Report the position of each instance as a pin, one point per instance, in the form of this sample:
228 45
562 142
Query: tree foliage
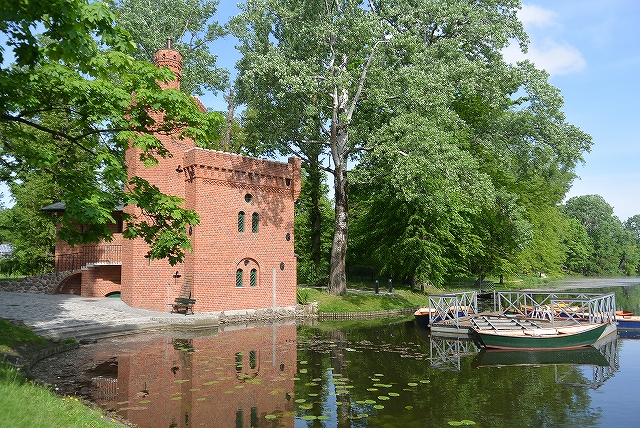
190 26
73 101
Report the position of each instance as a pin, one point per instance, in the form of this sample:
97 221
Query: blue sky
591 49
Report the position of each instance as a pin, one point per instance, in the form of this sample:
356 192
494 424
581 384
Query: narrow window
238 361
253 278
254 222
239 278
252 359
241 221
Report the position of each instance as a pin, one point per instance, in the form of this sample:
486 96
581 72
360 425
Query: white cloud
554 57
531 15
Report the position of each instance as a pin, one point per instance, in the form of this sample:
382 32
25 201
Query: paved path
60 316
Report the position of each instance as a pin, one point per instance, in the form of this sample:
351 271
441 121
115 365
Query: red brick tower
243 254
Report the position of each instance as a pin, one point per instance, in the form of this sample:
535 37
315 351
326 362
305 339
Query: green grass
24 403
367 302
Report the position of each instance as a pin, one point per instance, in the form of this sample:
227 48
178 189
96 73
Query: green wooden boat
540 338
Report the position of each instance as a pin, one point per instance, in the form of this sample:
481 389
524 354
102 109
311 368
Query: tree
188 23
332 74
605 231
59 99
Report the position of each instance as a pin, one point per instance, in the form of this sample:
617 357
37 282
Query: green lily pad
306 406
312 394
271 416
378 375
408 407
394 394
383 397
425 381
303 370
309 417
300 400
372 389
412 384
338 403
201 399
323 418
378 407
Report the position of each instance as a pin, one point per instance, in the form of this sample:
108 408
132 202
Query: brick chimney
173 60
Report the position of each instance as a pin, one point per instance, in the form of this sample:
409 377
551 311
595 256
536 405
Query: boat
586 355
509 333
423 316
627 321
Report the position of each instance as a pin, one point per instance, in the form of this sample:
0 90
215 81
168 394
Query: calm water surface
383 374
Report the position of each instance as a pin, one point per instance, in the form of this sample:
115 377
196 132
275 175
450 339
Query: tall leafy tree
334 73
605 231
190 26
67 54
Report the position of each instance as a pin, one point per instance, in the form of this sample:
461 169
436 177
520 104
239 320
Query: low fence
344 316
89 254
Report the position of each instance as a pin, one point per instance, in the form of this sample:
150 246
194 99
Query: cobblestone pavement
62 315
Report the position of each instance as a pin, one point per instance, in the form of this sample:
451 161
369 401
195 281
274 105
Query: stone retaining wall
40 284
268 315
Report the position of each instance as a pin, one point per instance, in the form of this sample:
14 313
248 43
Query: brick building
243 256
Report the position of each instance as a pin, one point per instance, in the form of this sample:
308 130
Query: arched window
253 278
241 221
254 222
239 278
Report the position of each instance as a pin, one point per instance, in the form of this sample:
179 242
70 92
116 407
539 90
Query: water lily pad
300 400
181 380
338 403
375 379
309 417
378 375
311 384
408 407
323 417
312 394
271 416
306 406
425 381
394 394
303 362
210 382
467 422
372 389
412 384
201 399
370 401
383 397
303 370
378 407
360 402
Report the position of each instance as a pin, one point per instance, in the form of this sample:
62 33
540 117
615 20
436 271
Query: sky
591 50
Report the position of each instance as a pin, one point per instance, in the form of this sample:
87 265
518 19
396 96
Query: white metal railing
558 307
453 306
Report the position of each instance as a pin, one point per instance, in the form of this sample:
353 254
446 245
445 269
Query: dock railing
453 306
560 308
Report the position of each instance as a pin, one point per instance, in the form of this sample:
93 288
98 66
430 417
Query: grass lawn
24 403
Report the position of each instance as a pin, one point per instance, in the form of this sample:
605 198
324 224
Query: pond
387 373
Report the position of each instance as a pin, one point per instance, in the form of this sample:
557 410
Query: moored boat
532 337
423 316
627 320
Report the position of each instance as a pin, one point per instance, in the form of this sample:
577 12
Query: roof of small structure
60 206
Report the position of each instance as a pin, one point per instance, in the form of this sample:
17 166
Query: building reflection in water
234 378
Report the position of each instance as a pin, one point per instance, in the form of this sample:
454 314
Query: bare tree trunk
337 270
226 140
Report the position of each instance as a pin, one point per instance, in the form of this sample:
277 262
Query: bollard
377 287
390 286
